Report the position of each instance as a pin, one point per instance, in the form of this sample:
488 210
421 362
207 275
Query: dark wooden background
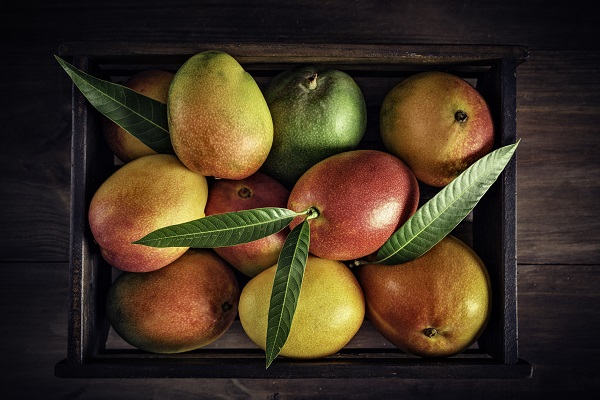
558 120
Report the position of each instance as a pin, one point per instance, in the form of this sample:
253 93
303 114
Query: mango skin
151 83
186 305
317 112
448 288
258 190
362 197
329 313
143 195
418 124
219 121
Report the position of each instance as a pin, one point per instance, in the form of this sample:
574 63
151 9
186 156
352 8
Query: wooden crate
95 351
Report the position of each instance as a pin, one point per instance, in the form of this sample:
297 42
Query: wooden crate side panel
494 230
89 283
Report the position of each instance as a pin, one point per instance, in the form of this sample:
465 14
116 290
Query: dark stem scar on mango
245 192
312 81
460 116
430 332
312 212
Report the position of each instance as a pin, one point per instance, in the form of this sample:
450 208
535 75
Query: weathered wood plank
557 326
34 107
552 24
558 175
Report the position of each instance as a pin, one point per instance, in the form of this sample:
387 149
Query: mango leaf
143 117
286 288
219 230
443 212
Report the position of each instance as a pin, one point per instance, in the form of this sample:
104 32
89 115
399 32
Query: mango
330 310
152 83
438 124
361 196
186 305
317 112
143 195
434 306
219 121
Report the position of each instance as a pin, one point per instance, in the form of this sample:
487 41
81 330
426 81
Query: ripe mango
152 83
330 310
186 305
143 195
219 121
362 197
258 190
436 305
438 124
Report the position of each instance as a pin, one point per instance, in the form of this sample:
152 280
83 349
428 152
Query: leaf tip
268 363
271 354
141 241
62 62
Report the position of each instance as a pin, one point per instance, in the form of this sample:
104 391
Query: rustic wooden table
558 187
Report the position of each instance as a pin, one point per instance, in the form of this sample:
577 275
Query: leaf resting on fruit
219 230
143 117
443 212
286 288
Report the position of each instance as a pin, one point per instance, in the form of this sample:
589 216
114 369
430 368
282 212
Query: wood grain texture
558 185
35 167
557 323
549 24
558 177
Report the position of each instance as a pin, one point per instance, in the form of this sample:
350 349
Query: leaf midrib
124 105
286 294
94 82
414 237
193 235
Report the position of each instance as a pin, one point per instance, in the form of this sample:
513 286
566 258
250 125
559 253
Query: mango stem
245 192
312 213
460 116
430 332
312 81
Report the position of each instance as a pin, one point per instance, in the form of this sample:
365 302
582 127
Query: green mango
317 112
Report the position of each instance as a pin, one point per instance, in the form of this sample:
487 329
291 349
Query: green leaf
219 230
443 212
286 288
143 117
